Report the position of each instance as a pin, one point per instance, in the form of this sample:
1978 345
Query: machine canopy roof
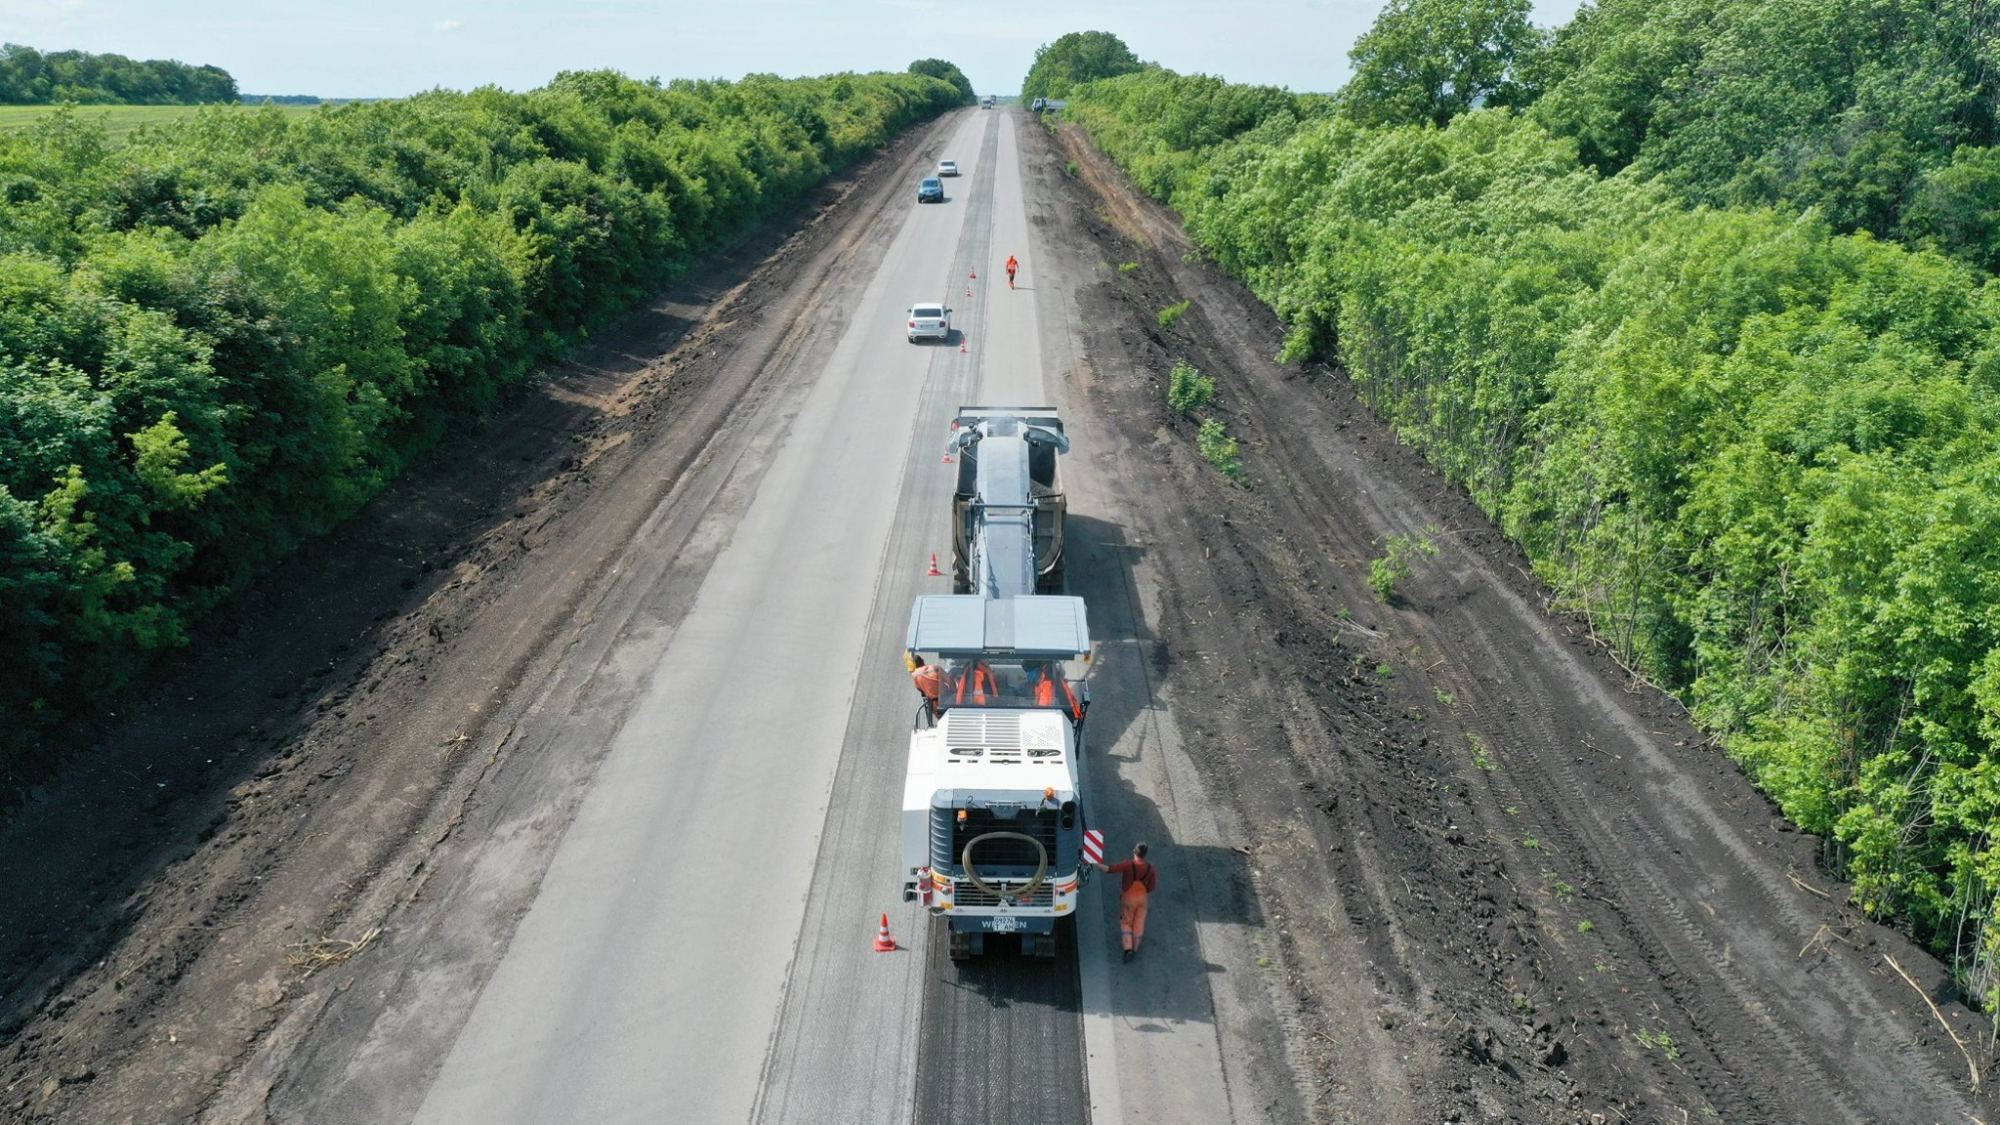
1042 626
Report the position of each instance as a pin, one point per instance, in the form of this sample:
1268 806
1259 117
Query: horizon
372 49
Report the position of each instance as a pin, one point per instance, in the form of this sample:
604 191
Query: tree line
1693 296
229 333
31 77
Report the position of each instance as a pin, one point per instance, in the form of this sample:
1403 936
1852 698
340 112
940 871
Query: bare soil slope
1566 906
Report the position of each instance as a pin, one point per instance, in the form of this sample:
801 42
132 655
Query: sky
389 48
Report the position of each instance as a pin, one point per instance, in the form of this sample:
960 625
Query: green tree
1814 103
1076 58
30 77
1431 60
1956 207
939 68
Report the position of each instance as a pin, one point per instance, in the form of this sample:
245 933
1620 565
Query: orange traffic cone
883 942
934 573
947 456
975 275
961 345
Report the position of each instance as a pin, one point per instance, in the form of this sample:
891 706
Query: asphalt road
700 944
648 975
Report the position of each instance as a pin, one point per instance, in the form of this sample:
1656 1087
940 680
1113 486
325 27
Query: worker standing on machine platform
1140 881
1012 265
925 676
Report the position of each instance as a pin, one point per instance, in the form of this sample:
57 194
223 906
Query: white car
930 322
947 168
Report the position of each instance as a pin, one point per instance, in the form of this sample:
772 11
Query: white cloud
447 25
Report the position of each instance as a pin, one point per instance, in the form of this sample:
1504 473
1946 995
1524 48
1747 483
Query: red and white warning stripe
1093 846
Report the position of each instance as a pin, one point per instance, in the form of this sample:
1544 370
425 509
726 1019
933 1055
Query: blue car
931 190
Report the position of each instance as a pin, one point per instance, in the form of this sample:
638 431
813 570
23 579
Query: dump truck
993 809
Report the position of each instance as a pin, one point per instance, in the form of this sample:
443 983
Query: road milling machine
993 812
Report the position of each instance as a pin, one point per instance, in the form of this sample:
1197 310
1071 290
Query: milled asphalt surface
847 1038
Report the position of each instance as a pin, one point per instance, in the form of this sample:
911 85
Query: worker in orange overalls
1012 265
1052 689
925 676
976 686
1140 880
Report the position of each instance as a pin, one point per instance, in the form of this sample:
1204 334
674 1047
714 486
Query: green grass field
118 119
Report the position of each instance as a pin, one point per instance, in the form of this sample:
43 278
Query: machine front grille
1009 859
968 894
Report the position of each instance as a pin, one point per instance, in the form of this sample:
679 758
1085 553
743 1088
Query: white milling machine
993 818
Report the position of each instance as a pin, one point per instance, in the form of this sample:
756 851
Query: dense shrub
234 330
1219 448
1188 390
1762 454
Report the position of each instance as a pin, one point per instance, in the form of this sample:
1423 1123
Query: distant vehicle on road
1049 104
931 190
947 168
987 102
930 322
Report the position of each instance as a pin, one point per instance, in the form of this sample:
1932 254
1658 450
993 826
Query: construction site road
561 784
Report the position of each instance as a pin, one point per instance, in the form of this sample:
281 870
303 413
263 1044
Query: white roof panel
1048 626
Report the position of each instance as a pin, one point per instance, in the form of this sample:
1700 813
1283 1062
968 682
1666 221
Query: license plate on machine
1003 924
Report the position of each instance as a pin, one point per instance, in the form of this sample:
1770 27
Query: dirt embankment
179 904
1488 845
